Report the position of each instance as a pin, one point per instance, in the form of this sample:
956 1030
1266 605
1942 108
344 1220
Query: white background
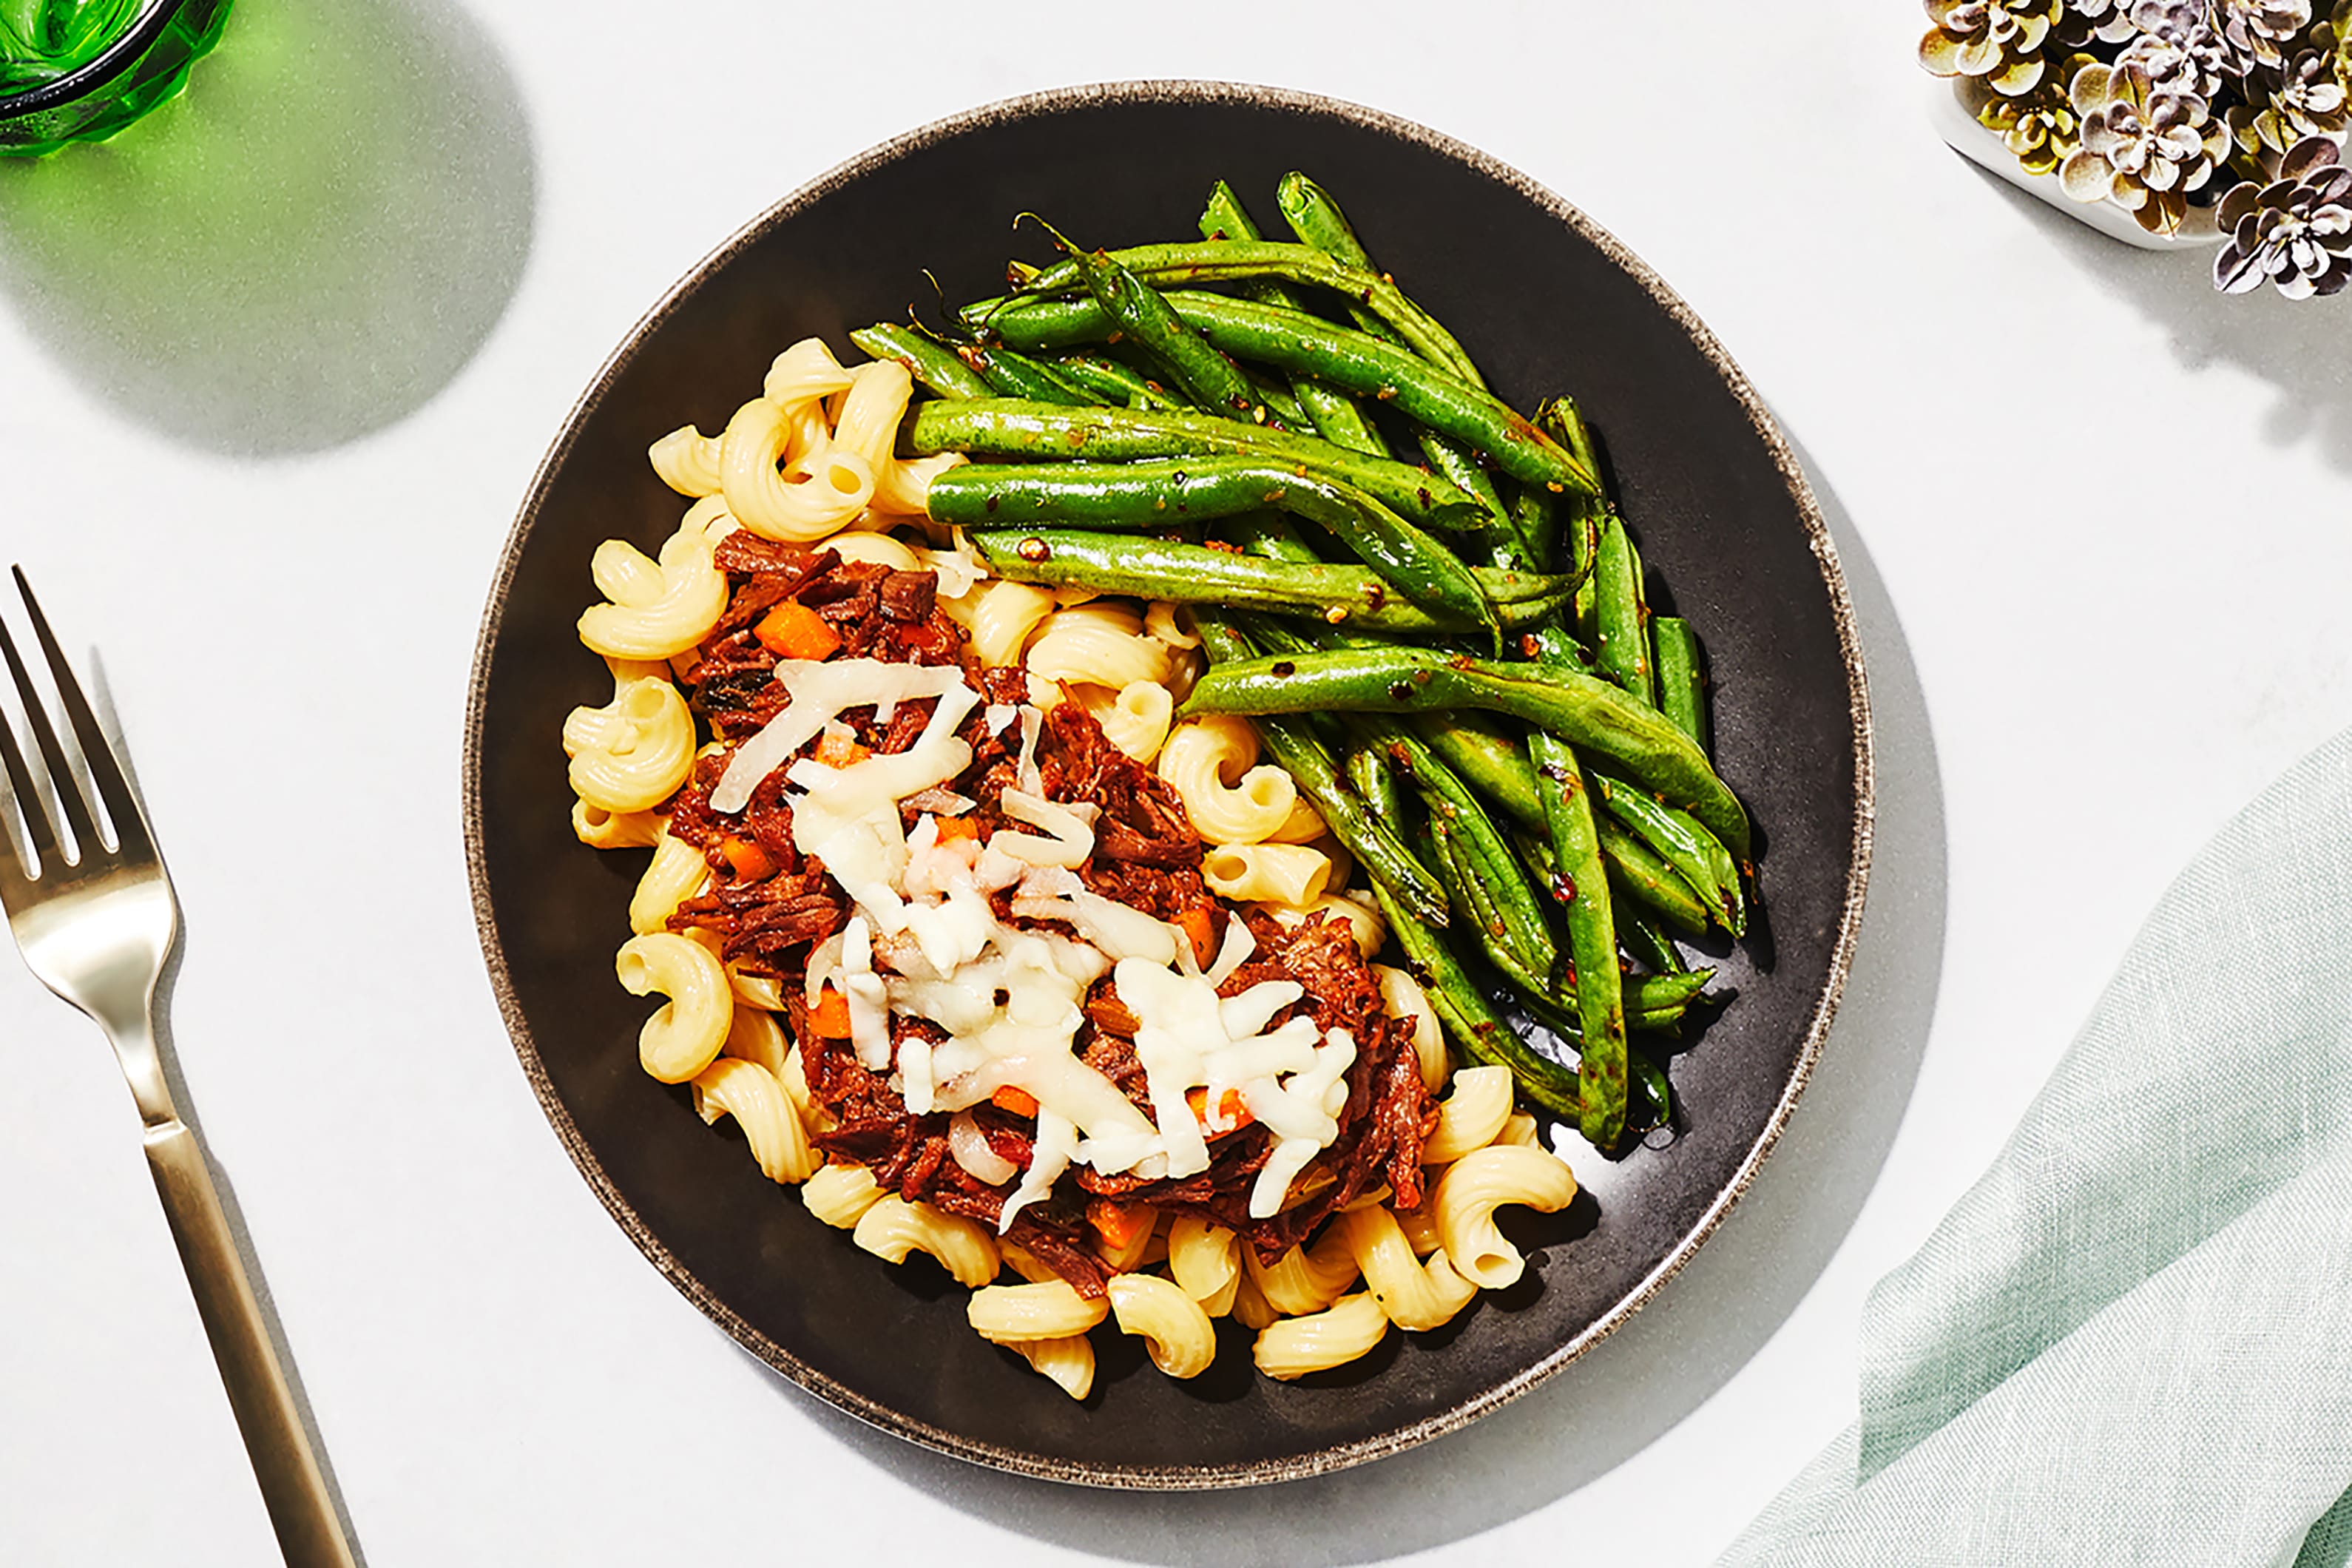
274 377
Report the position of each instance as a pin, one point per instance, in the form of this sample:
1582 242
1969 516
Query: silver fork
96 927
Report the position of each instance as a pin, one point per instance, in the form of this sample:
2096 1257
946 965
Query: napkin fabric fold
2131 1342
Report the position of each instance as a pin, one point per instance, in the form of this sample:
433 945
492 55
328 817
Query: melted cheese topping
925 942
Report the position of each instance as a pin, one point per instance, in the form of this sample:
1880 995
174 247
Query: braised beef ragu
769 905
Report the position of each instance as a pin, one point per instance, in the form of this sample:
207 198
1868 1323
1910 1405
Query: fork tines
105 772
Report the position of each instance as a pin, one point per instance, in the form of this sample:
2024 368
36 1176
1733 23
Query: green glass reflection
80 70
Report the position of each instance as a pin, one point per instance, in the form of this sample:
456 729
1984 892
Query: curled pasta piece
750 1094
1099 646
1068 1362
601 830
1044 1309
1365 924
1304 1279
1207 761
1322 1341
631 754
1305 824
1520 1129
1415 1297
1182 1340
840 1194
904 488
655 607
829 485
686 460
1471 1116
1420 1231
1001 615
1405 998
754 1035
1205 1259
1166 621
1252 1311
893 1227
686 1031
1135 718
803 374
762 991
677 872
877 548
1273 873
1476 1184
869 421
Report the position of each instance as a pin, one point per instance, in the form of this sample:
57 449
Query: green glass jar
80 70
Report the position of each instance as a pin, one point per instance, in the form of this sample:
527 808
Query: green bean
1535 521
1645 942
1480 1032
1140 313
1281 403
1191 574
1011 375
1500 883
1620 620
1272 535
1379 851
1375 781
1334 415
1008 428
1317 221
1146 494
1474 747
1582 886
1221 640
926 358
1682 696
1684 844
1586 711
1638 873
1240 257
1113 382
1657 1098
1308 345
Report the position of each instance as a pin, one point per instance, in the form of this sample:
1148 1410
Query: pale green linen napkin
2131 1342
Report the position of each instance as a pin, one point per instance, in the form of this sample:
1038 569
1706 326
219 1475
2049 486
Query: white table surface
274 386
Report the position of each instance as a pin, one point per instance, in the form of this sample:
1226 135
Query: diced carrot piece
1019 1102
957 827
793 630
1201 927
1234 1114
839 748
830 1016
1120 1224
749 857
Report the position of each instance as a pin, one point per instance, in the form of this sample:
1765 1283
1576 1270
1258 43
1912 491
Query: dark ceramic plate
1547 303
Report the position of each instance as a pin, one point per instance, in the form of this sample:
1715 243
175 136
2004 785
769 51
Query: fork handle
293 1485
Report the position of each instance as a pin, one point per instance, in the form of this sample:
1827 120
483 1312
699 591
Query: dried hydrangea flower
2142 148
2305 97
2177 46
1997 41
2258 32
2294 232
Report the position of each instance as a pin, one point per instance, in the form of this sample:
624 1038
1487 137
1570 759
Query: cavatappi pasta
810 461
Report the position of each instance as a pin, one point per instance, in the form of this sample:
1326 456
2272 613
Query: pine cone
1998 41
2039 128
2295 232
2259 32
2176 47
2303 98
2142 148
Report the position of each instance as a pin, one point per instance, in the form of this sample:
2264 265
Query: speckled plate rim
1336 1456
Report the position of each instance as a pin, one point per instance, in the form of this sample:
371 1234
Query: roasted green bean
1011 375
928 360
1581 710
1110 382
1620 619
1142 315
1684 844
1682 695
1639 873
1009 428
1583 889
